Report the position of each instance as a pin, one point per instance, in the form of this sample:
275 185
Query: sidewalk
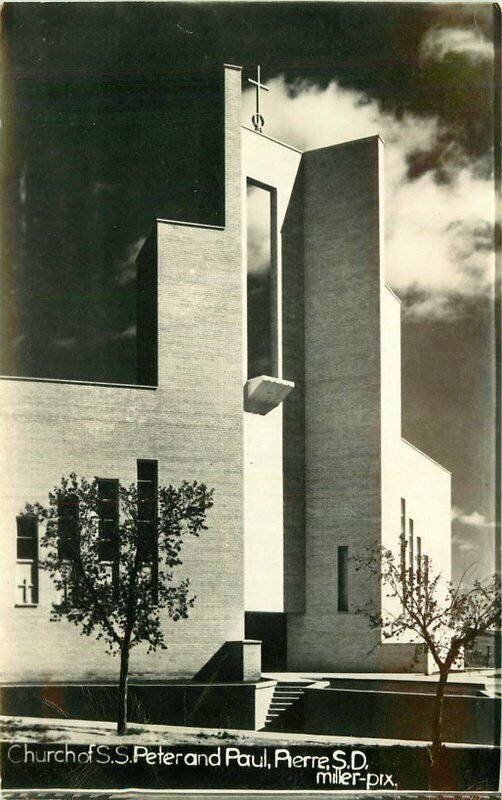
489 678
68 731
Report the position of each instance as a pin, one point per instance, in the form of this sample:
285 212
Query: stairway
285 697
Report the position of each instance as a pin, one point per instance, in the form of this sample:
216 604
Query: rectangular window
403 546
147 518
27 537
262 310
419 564
27 560
343 578
411 554
426 572
147 509
108 513
68 529
403 518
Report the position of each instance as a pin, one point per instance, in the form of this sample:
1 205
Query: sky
111 116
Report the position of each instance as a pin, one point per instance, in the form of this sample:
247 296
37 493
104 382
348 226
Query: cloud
64 342
19 341
22 184
438 226
112 336
258 230
439 43
439 242
474 520
128 333
98 188
126 266
466 546
307 116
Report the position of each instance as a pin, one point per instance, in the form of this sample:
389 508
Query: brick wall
192 423
342 398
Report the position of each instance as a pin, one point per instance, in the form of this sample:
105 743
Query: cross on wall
257 118
26 590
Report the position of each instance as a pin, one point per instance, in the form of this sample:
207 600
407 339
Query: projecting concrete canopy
263 393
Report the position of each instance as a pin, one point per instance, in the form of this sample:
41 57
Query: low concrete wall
404 657
198 705
401 686
263 698
234 661
391 715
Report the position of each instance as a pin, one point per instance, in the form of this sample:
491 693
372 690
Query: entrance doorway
271 629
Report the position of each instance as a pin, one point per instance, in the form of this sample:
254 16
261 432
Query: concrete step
292 685
295 683
289 689
284 697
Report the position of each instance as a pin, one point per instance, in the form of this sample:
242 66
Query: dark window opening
426 572
261 319
27 556
108 513
27 537
403 548
68 527
419 563
412 555
343 578
403 518
147 518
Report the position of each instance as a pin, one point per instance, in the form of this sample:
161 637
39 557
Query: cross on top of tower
257 118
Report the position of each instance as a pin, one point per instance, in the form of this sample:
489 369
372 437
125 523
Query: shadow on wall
227 706
393 715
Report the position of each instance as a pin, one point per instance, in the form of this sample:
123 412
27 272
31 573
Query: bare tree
446 617
113 561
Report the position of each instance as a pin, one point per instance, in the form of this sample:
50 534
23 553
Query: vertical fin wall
200 357
342 400
147 345
274 166
293 326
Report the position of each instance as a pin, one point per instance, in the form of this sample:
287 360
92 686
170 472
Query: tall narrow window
419 564
27 560
411 541
426 573
402 539
261 319
108 513
147 517
343 578
27 537
68 527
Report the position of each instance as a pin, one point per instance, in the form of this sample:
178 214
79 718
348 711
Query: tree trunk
436 750
124 673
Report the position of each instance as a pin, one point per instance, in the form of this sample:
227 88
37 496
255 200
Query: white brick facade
327 468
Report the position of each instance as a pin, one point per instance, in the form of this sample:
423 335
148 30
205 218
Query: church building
268 368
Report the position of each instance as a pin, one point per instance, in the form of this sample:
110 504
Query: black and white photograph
249 385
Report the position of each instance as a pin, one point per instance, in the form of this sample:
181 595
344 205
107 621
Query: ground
405 763
48 730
